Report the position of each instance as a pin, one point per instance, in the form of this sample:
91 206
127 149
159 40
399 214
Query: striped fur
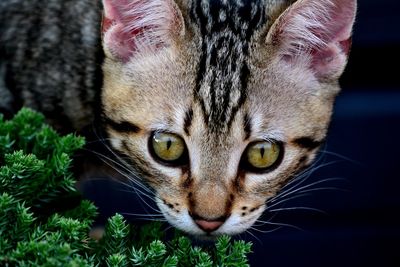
226 28
50 59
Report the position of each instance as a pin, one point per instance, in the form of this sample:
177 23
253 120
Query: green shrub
35 178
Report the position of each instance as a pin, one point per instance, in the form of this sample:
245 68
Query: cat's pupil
169 143
262 151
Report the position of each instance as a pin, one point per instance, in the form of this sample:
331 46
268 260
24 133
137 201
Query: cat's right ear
137 26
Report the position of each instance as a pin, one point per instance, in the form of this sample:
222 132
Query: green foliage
35 175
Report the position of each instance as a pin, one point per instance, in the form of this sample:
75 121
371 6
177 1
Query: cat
215 104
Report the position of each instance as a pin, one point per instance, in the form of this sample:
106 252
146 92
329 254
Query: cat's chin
212 236
201 235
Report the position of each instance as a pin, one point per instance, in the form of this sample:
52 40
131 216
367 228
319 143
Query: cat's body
50 59
215 104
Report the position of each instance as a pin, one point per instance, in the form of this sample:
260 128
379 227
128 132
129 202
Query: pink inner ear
131 25
106 23
119 43
345 45
318 28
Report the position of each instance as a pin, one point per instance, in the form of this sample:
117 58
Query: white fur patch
116 143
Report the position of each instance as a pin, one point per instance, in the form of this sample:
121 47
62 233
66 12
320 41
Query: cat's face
216 119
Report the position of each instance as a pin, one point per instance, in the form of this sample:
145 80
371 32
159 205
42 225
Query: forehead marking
247 126
187 122
226 28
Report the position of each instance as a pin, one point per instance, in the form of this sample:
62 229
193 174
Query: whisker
134 188
266 231
285 200
309 170
99 140
143 201
121 163
134 184
298 208
130 184
124 166
139 195
253 235
130 187
281 224
297 188
302 177
324 188
169 227
128 176
294 190
150 219
118 164
143 215
341 157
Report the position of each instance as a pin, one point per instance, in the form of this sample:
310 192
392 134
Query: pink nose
208 226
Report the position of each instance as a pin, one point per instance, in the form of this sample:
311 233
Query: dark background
359 225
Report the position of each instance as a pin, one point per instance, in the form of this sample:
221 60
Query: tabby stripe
122 127
188 121
244 76
240 21
247 126
201 20
307 142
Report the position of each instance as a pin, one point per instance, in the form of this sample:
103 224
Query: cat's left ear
315 34
130 27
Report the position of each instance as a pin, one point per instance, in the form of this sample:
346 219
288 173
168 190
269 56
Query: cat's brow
122 126
307 142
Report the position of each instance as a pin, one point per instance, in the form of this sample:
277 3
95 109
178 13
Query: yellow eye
167 147
262 155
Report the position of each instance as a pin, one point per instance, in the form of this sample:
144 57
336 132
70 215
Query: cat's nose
208 225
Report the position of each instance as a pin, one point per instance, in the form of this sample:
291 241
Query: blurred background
345 213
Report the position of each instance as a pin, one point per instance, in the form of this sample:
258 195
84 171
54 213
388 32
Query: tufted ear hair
134 26
315 33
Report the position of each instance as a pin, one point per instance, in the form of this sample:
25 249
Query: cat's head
217 104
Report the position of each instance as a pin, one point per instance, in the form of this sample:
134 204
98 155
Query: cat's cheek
172 174
180 220
237 223
253 181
